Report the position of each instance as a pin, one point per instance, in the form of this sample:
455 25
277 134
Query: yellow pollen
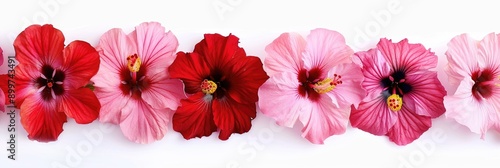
395 102
324 86
208 86
133 63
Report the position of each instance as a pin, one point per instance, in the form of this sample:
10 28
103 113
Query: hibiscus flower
134 90
222 83
474 71
312 80
50 80
403 93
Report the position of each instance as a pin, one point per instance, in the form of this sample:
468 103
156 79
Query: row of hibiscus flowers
139 82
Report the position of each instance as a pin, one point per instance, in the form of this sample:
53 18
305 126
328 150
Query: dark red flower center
483 84
311 86
395 87
217 84
50 82
133 77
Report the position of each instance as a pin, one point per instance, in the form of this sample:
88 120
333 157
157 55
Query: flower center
312 84
50 82
132 77
326 84
208 86
395 87
483 84
395 102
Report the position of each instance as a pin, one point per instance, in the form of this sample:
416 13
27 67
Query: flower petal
279 99
411 57
25 82
156 47
489 52
143 124
246 77
350 91
80 64
426 95
194 118
408 127
80 104
285 54
112 102
39 45
40 119
326 49
193 76
114 47
462 55
4 87
373 116
2 100
374 68
231 116
218 50
324 120
163 92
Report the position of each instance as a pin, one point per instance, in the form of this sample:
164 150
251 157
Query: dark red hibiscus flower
222 83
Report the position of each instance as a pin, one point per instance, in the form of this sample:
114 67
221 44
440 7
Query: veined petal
427 94
232 117
326 49
25 82
194 118
374 69
39 45
193 76
373 116
81 62
40 119
114 47
80 104
324 120
408 127
246 77
112 102
163 92
285 54
218 50
462 55
411 57
349 92
142 123
489 52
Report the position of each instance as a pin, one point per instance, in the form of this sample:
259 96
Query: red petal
219 50
191 68
373 117
80 104
232 116
80 64
246 77
409 126
194 117
38 45
41 120
25 82
4 86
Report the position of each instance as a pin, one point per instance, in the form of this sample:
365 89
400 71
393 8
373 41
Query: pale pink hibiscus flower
403 93
312 80
474 71
133 83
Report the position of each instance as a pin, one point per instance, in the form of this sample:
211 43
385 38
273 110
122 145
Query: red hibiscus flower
222 82
50 81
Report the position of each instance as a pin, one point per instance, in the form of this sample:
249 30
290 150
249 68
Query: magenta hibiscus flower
132 84
474 71
312 80
403 93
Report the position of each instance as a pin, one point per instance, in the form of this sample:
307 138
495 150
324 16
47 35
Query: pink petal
462 56
373 116
142 123
374 68
279 90
81 63
2 100
80 104
154 46
194 118
408 127
163 92
40 119
1 56
350 92
412 57
232 117
114 47
326 49
324 120
38 45
285 54
426 95
489 52
112 102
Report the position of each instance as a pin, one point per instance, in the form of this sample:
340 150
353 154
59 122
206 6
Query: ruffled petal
462 56
374 68
373 116
154 46
193 76
411 57
39 45
281 89
350 92
80 104
285 54
112 102
218 51
408 127
489 53
81 62
163 92
194 118
114 47
143 124
324 120
426 94
246 77
231 116
326 49
40 119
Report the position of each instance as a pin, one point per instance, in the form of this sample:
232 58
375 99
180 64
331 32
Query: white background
257 23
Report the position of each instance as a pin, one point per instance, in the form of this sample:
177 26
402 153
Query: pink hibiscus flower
312 80
403 94
474 71
133 84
